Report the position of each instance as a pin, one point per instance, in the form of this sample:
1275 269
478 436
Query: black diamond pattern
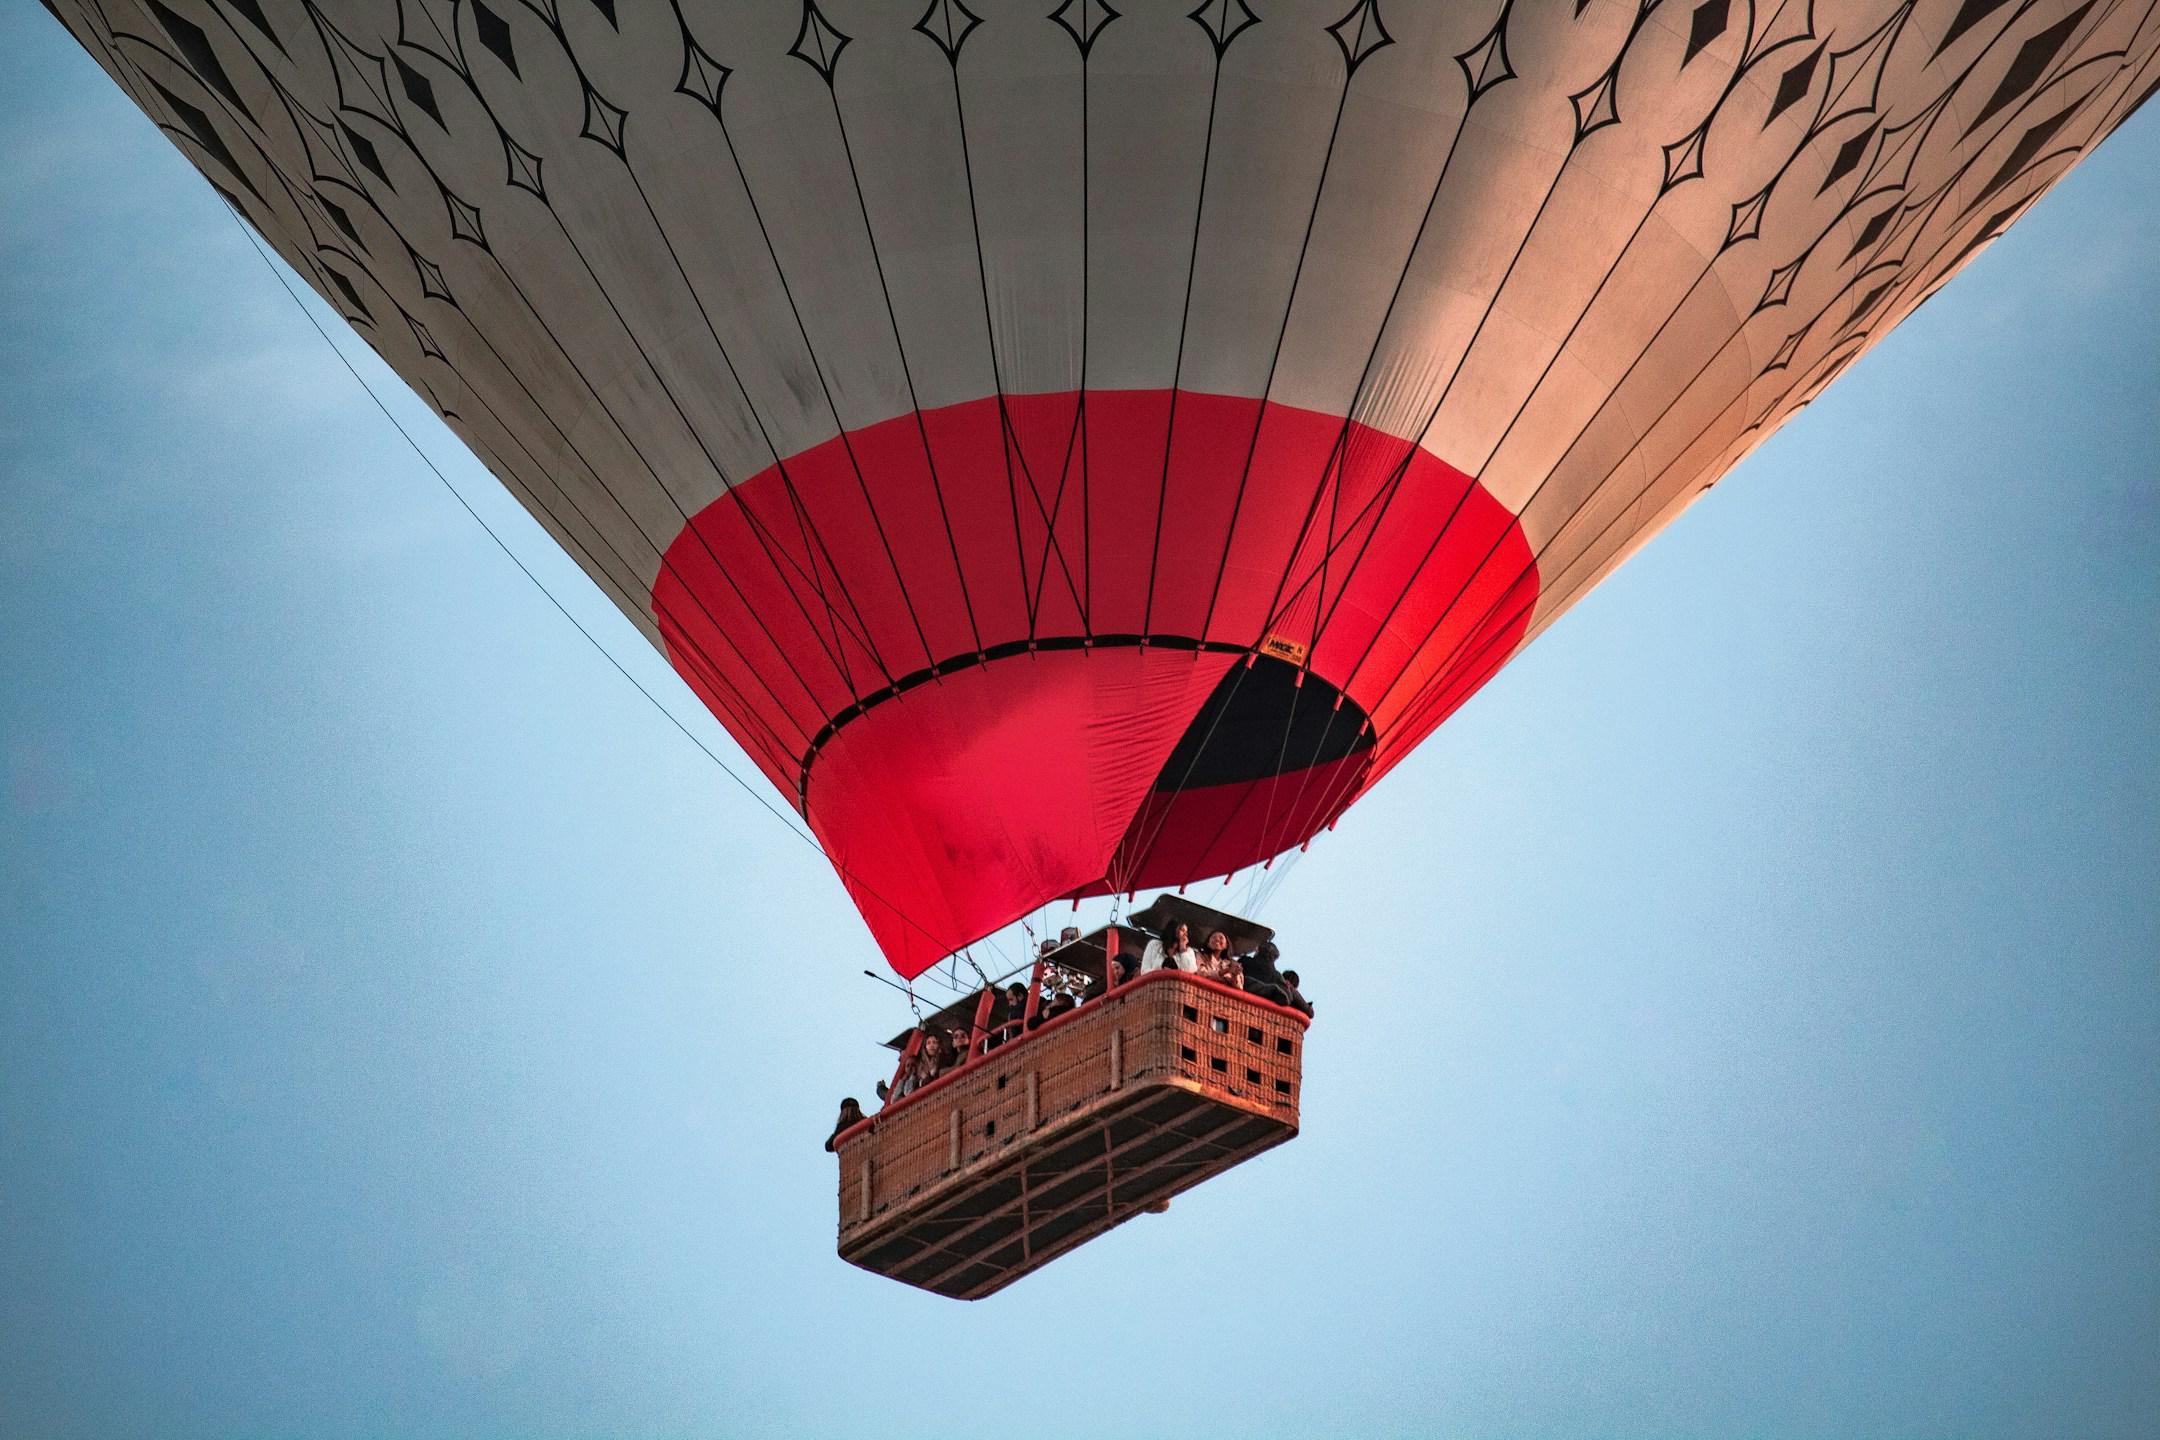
1971 13
194 47
464 219
1780 288
1709 21
363 150
1848 156
345 288
418 88
817 44
1360 33
251 11
1084 20
2029 145
524 166
702 76
1485 64
1872 231
423 339
1224 21
949 23
1597 107
2032 60
1747 218
604 122
494 32
1683 158
1793 85
432 283
339 218
1874 298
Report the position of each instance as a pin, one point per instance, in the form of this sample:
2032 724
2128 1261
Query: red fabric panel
1216 829
963 805
846 573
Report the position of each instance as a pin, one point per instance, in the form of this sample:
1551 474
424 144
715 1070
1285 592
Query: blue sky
1742 1019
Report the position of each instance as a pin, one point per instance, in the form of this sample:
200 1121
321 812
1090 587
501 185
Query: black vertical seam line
501 545
814 541
1049 516
1057 507
1282 333
286 101
907 373
1372 354
699 440
1008 437
997 378
1087 226
1177 369
847 443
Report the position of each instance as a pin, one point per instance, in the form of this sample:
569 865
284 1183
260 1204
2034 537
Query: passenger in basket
850 1115
1172 952
1291 995
1215 963
1006 1015
956 1039
1261 977
920 1071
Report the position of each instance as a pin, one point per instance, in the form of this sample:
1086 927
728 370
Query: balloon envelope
1073 447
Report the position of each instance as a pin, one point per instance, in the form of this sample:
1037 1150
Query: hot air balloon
1075 447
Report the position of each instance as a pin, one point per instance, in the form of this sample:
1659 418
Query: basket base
1071 1183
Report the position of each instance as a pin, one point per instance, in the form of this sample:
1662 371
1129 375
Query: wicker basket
996 1169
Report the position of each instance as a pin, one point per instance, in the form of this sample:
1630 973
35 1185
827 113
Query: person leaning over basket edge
850 1115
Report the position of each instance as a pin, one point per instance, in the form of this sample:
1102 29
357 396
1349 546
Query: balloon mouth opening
1275 755
1266 719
